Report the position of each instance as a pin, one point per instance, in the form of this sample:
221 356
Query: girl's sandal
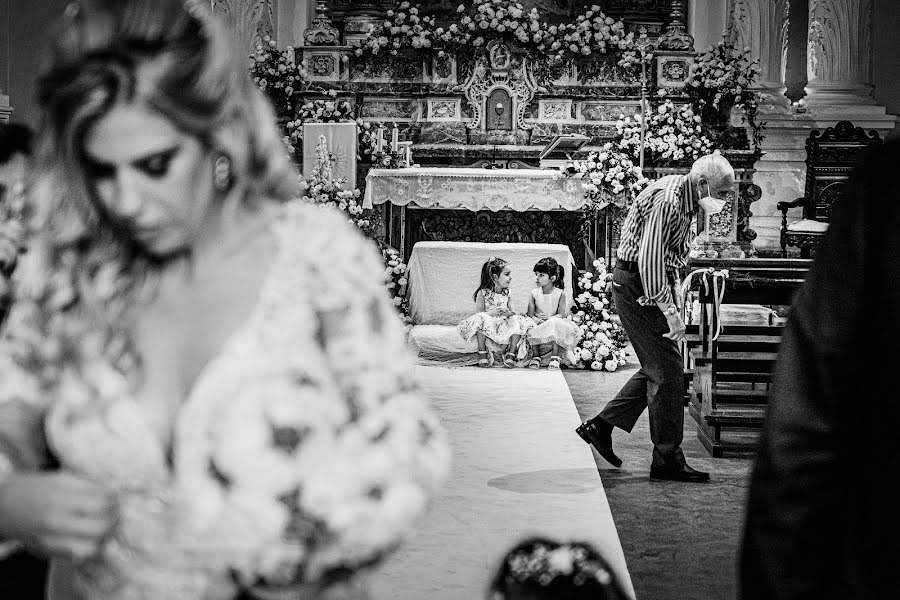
483 359
554 363
535 363
509 360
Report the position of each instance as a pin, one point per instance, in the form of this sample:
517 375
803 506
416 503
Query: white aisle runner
518 470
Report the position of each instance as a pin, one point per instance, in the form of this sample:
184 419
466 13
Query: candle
379 144
409 156
395 138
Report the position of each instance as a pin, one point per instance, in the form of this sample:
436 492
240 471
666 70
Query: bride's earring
222 178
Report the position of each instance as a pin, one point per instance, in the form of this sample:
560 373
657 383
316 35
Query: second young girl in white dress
549 307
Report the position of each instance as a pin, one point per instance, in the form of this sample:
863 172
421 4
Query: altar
478 205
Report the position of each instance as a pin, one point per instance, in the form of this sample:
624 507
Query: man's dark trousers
659 384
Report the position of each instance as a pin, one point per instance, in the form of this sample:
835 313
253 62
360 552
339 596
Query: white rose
596 366
611 364
585 354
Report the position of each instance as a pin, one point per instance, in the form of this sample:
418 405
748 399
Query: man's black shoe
678 473
601 440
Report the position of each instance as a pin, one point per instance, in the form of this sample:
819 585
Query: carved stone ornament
516 79
749 193
322 65
443 109
321 32
676 36
555 110
673 69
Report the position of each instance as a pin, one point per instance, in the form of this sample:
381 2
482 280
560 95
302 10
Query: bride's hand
59 514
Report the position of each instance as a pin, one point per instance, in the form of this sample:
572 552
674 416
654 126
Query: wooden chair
831 157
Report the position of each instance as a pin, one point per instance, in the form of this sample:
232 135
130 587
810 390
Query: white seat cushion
807 226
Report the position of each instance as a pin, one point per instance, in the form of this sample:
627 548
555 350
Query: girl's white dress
497 329
555 329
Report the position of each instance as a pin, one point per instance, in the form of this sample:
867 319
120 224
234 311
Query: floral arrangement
322 188
602 344
721 80
674 134
590 34
275 73
395 278
611 177
316 111
542 564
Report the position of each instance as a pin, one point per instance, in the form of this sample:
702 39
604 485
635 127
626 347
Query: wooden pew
730 375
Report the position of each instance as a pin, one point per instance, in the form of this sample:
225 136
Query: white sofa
443 276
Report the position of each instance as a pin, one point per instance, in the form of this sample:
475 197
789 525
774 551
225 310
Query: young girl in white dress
494 320
549 308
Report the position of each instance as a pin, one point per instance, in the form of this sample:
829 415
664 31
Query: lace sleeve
364 341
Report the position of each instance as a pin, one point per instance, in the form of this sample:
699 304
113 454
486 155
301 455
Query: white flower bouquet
321 187
294 482
674 134
602 344
276 75
612 177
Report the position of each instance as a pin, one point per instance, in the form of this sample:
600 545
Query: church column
250 20
294 18
762 26
839 54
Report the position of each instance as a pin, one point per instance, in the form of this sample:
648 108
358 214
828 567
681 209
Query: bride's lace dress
323 309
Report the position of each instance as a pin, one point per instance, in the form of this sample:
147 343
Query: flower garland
721 80
317 111
602 344
674 134
612 178
12 239
591 33
395 278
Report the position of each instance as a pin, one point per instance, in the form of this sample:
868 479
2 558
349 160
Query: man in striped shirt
654 244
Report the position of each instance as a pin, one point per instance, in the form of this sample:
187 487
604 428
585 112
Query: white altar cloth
444 275
474 189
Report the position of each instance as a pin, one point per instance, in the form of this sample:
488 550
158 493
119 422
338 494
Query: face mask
709 204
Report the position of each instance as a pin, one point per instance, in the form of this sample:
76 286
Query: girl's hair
540 568
493 266
169 56
553 269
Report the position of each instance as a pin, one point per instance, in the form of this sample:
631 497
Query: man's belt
632 267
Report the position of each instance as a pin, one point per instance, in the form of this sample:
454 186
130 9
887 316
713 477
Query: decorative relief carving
749 193
839 41
250 20
672 70
322 65
443 110
517 81
388 109
555 110
605 111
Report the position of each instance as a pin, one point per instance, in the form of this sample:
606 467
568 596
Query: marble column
250 20
762 26
839 54
294 18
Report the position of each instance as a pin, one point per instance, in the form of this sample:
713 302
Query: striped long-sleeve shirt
656 233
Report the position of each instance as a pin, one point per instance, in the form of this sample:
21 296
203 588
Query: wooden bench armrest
784 206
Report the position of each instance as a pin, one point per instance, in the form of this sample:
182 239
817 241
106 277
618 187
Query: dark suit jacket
823 515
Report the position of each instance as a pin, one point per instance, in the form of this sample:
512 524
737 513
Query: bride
204 390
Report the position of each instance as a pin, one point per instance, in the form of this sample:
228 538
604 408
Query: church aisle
680 540
518 470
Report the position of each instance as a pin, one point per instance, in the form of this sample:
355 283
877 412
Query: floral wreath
543 564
